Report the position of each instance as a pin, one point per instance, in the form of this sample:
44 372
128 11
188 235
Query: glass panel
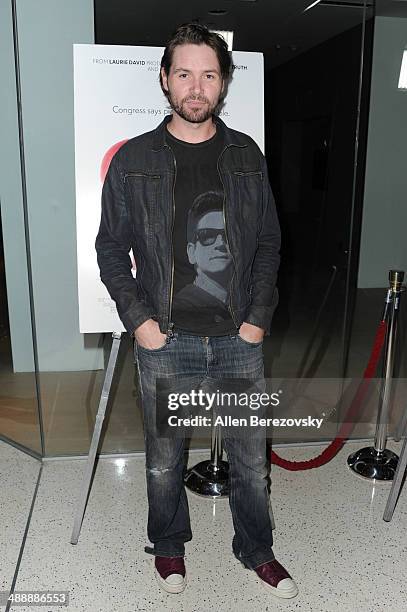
313 119
315 95
19 417
20 439
382 244
312 79
19 423
71 400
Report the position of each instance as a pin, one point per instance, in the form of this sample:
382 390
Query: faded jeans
204 361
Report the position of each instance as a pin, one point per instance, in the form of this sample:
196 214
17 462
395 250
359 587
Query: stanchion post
216 448
377 462
388 363
210 478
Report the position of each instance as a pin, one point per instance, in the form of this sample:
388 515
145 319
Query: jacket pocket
142 189
247 192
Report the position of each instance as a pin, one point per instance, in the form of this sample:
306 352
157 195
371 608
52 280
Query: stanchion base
372 464
208 480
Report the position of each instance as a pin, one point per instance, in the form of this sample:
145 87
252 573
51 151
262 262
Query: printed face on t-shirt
209 253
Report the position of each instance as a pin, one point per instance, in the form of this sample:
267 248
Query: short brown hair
196 34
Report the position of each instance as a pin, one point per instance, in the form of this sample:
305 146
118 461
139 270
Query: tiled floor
18 478
329 534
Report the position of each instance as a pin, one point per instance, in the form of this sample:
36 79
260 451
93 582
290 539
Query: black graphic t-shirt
203 266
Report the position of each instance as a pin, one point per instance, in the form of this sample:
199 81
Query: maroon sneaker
170 573
275 578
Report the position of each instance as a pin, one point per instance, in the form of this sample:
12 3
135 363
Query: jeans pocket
253 344
155 350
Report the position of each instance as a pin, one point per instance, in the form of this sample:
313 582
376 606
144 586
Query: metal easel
396 484
90 463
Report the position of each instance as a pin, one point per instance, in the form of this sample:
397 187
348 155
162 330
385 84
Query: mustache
196 99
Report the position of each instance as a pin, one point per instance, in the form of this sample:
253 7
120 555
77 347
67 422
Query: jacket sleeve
113 244
266 262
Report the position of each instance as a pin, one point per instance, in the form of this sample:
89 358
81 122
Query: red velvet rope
347 426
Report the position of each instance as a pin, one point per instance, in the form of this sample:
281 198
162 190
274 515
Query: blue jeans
205 361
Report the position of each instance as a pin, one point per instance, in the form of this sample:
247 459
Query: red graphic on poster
107 158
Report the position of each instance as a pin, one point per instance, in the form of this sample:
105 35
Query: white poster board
117 96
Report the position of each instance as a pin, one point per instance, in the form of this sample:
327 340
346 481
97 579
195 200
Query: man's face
194 82
212 258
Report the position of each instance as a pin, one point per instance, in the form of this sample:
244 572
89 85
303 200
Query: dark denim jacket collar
159 134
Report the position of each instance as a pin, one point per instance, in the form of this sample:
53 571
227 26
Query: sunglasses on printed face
209 235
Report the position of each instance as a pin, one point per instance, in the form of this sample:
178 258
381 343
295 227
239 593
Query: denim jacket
138 213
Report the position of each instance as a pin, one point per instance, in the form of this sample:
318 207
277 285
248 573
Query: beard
193 115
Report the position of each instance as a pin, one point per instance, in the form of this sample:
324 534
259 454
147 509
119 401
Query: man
210 258
151 183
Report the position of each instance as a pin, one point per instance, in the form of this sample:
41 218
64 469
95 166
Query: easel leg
396 485
401 426
90 463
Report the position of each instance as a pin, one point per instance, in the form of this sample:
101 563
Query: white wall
384 224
